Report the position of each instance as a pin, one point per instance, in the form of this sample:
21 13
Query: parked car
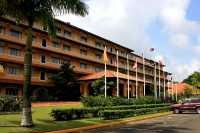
187 105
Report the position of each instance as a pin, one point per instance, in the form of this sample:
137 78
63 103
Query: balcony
6 78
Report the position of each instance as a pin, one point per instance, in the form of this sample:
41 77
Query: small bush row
70 114
101 101
10 104
125 107
116 114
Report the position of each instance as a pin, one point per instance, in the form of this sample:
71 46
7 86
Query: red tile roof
109 74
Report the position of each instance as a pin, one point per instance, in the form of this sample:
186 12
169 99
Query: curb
110 124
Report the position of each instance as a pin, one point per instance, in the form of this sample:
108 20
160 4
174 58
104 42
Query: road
175 123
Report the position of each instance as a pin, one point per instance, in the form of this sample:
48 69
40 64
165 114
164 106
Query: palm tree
44 12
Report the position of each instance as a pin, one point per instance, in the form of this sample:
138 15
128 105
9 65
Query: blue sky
172 27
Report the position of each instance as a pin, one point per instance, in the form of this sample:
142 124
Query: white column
117 73
128 77
105 82
155 81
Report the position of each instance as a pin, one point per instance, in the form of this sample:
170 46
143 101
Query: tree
193 79
32 11
63 80
187 92
99 85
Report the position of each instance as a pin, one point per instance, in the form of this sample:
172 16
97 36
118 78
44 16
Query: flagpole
117 73
164 85
168 87
128 76
136 81
159 93
105 61
155 83
172 89
144 91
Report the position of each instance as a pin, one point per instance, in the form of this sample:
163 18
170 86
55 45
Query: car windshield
191 100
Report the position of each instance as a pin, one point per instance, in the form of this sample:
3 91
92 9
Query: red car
187 105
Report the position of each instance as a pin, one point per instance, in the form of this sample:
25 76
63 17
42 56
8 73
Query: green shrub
125 107
10 104
116 114
101 101
70 114
147 100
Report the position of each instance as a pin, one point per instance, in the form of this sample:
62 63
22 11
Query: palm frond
76 7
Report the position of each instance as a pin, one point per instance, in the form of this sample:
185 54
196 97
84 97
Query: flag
105 57
160 62
135 65
151 49
1 69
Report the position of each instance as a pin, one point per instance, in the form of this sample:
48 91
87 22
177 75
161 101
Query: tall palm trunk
26 120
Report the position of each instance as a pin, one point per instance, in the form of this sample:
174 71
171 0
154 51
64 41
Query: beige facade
80 48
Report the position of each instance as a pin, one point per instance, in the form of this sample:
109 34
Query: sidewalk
111 123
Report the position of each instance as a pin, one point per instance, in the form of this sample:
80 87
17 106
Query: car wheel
176 111
198 110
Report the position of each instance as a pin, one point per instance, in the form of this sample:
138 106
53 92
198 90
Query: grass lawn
42 120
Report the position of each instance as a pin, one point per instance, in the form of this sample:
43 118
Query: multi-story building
76 46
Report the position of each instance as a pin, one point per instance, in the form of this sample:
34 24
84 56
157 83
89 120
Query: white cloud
183 70
126 22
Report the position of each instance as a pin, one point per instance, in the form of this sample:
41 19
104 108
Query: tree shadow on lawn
12 123
42 125
51 125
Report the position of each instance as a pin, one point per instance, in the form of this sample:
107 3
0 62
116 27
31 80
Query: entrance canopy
109 74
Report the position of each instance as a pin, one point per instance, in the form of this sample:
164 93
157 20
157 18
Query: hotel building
76 46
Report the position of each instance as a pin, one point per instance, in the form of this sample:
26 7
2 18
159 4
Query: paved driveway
175 123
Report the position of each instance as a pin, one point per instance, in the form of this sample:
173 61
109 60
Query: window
12 91
44 28
98 56
56 60
33 38
43 59
44 43
83 51
56 45
15 33
14 51
98 69
66 61
66 47
12 70
42 75
111 50
2 29
98 45
83 38
1 50
67 33
83 65
111 61
58 29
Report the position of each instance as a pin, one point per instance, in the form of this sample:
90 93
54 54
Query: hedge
116 114
101 101
70 114
10 104
125 107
